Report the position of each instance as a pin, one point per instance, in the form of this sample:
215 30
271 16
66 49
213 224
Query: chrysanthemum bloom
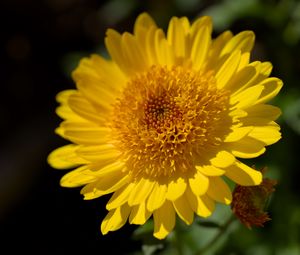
248 203
161 123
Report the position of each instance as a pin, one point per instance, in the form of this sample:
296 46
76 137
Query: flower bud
249 203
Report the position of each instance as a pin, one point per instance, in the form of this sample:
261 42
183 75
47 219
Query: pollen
160 111
166 118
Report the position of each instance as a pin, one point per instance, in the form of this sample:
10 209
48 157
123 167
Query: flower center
161 110
166 120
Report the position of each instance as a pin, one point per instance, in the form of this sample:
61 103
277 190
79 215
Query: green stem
223 229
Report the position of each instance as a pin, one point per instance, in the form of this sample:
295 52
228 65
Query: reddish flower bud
248 203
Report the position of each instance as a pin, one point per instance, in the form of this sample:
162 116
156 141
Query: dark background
42 42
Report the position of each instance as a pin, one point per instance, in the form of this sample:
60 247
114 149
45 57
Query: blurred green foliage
277 28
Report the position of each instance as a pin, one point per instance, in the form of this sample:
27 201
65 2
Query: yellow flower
162 123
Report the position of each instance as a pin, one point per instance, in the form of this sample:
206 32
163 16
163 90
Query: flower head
249 203
161 123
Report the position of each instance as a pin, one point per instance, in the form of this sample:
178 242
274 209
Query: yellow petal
183 209
206 206
243 41
264 111
77 178
144 31
64 111
95 91
247 148
228 69
216 48
237 114
113 42
210 170
247 97
83 108
65 157
199 183
115 219
97 153
63 96
164 52
176 188
272 87
164 220
98 78
263 70
133 54
249 121
200 47
119 197
199 24
201 205
104 185
242 79
219 190
91 67
96 171
223 159
99 170
176 37
157 197
185 24
245 58
85 133
139 214
268 134
243 174
140 192
237 134
149 42
143 21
